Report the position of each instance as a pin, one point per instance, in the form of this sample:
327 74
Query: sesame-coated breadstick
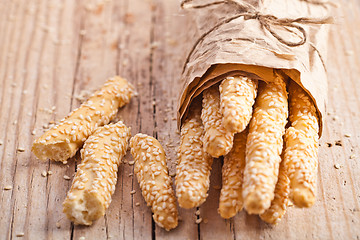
264 146
217 140
232 177
280 202
237 96
62 141
155 183
301 152
194 164
96 176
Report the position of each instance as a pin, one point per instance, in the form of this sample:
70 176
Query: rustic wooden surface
52 51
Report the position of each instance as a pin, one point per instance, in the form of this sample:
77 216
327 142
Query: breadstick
96 176
217 140
264 146
301 153
232 177
194 164
155 183
280 202
237 96
62 141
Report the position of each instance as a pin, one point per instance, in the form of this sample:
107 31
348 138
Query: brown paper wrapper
242 46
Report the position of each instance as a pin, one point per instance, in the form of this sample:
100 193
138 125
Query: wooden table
52 52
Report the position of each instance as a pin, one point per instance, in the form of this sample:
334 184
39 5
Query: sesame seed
66 177
21 149
337 166
21 234
8 187
137 204
44 173
198 221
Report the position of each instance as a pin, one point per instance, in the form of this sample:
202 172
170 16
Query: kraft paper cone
247 47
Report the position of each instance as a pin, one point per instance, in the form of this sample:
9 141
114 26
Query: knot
266 20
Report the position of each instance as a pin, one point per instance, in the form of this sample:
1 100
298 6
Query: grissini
280 202
264 145
231 200
217 140
155 183
62 141
237 97
96 176
194 164
302 143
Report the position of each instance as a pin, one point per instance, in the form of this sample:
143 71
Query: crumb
44 174
8 187
131 174
81 238
49 173
129 18
338 143
133 192
57 224
352 156
329 144
33 132
197 213
66 177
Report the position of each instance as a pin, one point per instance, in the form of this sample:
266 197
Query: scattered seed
131 162
57 224
66 177
33 132
197 213
347 135
21 234
49 173
44 174
8 187
352 156
81 238
137 204
337 166
133 192
198 221
21 149
172 174
131 174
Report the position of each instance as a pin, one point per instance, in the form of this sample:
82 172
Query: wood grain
52 51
